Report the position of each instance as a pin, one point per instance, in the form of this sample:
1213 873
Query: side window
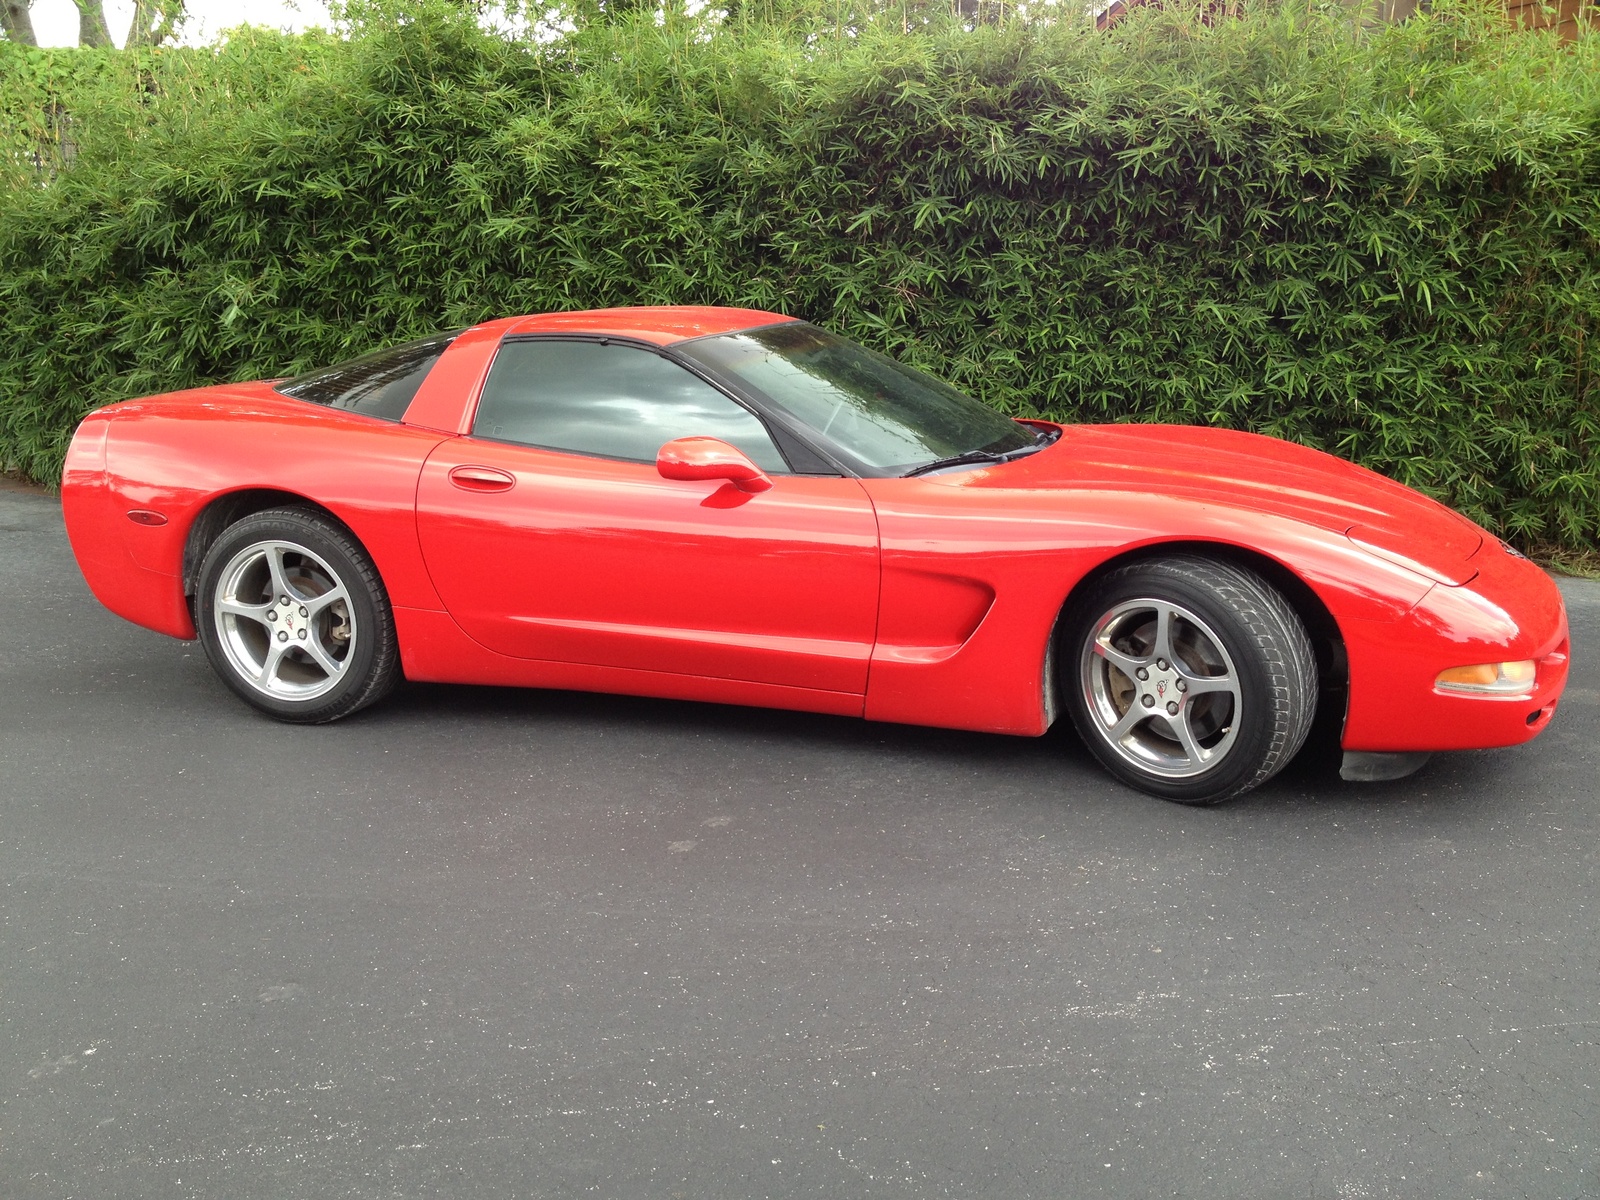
380 384
609 400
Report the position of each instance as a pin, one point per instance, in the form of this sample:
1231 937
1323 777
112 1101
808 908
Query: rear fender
187 465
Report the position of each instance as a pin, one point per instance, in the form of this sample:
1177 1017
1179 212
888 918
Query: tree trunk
17 21
154 22
92 29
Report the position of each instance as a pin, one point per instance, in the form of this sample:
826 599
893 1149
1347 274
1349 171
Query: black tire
1223 712
269 598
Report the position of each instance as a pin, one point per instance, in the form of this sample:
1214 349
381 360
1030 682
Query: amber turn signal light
1494 679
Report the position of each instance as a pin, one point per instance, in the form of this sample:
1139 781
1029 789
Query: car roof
661 325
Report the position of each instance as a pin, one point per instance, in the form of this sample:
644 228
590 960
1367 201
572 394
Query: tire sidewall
307 530
1255 722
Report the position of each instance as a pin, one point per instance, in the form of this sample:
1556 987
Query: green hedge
1385 244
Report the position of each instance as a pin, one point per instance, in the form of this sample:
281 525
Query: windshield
876 414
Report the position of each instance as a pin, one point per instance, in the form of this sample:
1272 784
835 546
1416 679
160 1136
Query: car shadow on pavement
688 717
1451 785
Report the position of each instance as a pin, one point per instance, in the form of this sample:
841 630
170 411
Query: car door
550 534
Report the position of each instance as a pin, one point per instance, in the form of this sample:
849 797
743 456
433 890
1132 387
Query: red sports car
730 505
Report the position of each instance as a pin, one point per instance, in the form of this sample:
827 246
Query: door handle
482 479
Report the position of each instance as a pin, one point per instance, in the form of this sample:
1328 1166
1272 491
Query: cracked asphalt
489 943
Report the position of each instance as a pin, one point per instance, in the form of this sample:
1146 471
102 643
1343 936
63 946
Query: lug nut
1162 663
1182 686
1149 700
283 635
302 635
1142 673
1172 707
283 600
303 611
272 614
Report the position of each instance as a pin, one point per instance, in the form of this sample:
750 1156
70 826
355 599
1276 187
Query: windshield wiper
979 456
958 460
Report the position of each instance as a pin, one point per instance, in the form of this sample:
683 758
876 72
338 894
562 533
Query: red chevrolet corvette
729 505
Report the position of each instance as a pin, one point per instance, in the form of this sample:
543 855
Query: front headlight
1489 679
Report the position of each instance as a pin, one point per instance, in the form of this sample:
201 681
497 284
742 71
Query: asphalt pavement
492 943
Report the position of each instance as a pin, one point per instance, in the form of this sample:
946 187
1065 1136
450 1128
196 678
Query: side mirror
710 458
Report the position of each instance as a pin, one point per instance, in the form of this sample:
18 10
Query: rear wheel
294 618
1193 679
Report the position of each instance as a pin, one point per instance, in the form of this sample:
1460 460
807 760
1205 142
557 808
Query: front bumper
1510 610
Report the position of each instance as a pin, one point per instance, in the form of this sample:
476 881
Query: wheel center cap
293 620
1162 688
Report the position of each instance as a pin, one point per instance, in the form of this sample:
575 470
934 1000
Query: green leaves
1383 244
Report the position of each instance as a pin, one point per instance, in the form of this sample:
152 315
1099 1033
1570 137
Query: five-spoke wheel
284 617
1194 678
1162 687
293 616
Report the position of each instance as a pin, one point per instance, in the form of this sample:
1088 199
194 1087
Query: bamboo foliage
1382 244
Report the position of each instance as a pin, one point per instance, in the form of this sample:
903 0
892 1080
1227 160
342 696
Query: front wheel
294 617
1191 679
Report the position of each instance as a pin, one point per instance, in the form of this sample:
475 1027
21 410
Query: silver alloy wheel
1161 688
284 620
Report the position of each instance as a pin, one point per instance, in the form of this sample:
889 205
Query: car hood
1260 474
